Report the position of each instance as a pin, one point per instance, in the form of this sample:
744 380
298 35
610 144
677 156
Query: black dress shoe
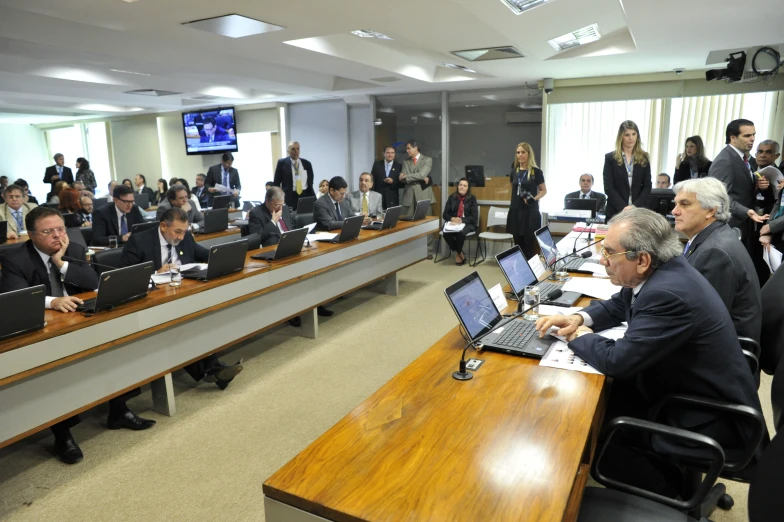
130 421
67 450
296 322
222 374
323 312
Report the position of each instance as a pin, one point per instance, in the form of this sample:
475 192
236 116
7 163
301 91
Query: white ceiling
57 55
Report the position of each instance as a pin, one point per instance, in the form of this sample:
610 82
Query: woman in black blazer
627 172
528 187
160 194
460 208
692 163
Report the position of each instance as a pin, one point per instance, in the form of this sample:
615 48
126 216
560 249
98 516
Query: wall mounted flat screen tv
212 131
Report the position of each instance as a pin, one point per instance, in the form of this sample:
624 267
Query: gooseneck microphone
588 223
584 255
74 260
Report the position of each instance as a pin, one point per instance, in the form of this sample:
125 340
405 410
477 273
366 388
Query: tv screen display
212 131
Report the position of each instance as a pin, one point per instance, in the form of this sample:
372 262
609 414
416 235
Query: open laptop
519 274
305 205
390 219
290 243
420 212
582 204
477 313
351 227
224 259
23 311
550 253
141 227
120 286
3 232
221 202
142 200
215 220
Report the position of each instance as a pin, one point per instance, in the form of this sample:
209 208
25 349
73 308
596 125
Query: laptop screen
472 304
547 245
516 269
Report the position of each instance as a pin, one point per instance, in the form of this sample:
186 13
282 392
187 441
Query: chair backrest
304 219
305 205
496 216
87 234
110 257
765 499
777 398
254 241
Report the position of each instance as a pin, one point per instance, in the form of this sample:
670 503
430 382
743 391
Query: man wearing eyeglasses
15 210
680 340
117 218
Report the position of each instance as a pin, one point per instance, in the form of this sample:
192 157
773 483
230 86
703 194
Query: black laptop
519 274
290 243
22 311
477 313
350 231
215 220
224 259
120 286
71 220
582 204
420 212
142 200
390 219
221 202
550 253
3 232
141 227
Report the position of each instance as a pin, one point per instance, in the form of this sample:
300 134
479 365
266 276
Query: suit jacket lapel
741 165
39 268
702 236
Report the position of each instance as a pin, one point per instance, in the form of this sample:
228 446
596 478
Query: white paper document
188 266
560 356
223 189
596 269
536 266
772 257
497 294
596 288
452 227
161 279
322 236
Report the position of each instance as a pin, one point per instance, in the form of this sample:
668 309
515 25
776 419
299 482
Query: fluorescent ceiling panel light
233 26
76 75
489 53
365 33
98 107
521 6
456 66
576 38
129 72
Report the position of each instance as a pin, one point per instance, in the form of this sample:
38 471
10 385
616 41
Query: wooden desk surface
513 443
200 238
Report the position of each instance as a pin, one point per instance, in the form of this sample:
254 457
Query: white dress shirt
139 190
587 321
175 260
45 258
303 174
584 195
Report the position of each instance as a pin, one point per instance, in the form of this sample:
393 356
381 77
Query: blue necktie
60 172
123 226
337 209
226 179
388 166
686 248
19 221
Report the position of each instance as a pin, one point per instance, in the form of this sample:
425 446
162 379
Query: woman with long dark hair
160 194
627 171
528 188
460 208
70 203
85 174
691 163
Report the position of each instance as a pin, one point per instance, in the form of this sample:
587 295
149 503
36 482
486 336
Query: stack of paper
452 227
322 236
560 356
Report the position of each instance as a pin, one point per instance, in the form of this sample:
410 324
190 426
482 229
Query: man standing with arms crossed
417 180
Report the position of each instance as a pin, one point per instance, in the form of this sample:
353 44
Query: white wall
360 128
321 128
25 155
136 149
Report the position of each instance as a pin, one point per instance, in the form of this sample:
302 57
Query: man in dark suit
772 322
39 261
177 196
702 209
734 167
58 172
767 154
172 243
330 211
294 175
86 214
271 219
141 187
680 339
201 192
386 180
211 133
586 192
226 175
117 218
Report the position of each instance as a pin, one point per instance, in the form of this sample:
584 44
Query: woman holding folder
460 209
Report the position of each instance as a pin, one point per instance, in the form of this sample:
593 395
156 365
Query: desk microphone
584 255
74 260
588 223
555 294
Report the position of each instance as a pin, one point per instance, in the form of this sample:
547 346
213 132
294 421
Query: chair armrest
747 343
653 428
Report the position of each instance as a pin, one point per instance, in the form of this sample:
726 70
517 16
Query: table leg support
390 285
163 395
309 326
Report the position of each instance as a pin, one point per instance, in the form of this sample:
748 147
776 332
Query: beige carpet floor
210 460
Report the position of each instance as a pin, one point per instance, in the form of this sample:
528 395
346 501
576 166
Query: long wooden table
513 443
76 362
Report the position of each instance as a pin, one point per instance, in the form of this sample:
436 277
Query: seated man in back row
172 243
39 261
178 196
364 201
272 218
586 192
116 218
330 212
680 340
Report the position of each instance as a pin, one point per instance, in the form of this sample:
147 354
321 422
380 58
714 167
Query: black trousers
199 369
528 245
117 406
455 240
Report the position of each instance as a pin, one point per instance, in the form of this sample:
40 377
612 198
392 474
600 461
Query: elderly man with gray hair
679 340
272 218
702 210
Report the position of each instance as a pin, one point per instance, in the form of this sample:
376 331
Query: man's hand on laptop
66 304
567 325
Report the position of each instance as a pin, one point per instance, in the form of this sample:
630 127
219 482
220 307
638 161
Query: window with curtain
87 140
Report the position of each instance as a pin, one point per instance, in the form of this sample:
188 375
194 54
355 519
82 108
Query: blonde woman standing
528 188
627 171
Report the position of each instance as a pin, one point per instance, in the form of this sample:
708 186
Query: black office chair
305 205
303 219
254 241
87 234
110 257
621 502
752 351
772 335
765 499
777 398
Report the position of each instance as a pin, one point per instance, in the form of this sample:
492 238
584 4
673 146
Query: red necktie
283 226
414 161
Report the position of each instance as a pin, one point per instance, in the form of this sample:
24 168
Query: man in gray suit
416 170
178 196
329 212
702 209
364 201
586 192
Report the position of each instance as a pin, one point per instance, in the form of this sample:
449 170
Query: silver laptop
519 274
420 212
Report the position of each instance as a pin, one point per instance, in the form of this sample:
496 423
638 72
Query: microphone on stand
584 255
588 223
74 260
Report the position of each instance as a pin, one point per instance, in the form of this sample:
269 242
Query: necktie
585 196
168 254
283 226
60 172
337 210
634 298
19 221
54 280
748 166
686 248
226 179
88 218
296 178
123 225
388 166
415 161
365 204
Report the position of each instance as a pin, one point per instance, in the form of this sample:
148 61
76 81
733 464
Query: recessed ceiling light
365 33
488 53
233 26
467 106
378 122
576 38
521 6
129 72
107 108
456 66
389 110
130 1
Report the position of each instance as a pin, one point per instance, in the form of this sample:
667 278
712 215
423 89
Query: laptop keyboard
195 274
545 289
574 264
517 334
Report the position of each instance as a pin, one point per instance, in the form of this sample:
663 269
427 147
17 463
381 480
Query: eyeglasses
126 201
608 256
50 231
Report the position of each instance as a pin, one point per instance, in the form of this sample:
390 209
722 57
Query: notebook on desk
351 227
119 286
476 311
550 252
420 212
290 244
22 311
224 259
215 220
